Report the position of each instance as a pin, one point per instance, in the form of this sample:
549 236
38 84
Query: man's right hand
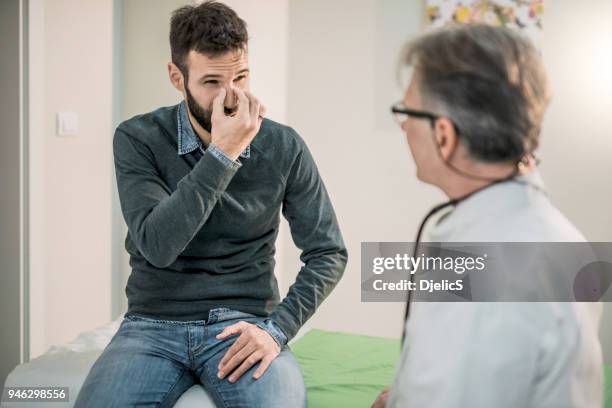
232 134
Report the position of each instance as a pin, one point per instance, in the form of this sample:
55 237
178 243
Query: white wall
341 79
37 104
70 185
577 135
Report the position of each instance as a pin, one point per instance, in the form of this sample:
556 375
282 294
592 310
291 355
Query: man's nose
231 101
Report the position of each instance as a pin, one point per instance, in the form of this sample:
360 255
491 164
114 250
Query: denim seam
203 343
211 380
176 381
198 347
223 317
136 318
189 353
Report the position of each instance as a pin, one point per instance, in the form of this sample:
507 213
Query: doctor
472 115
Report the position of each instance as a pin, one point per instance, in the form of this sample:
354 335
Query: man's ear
446 137
176 77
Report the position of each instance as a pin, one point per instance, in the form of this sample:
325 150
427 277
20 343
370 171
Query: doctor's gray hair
490 81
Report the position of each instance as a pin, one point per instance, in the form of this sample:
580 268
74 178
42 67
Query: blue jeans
152 362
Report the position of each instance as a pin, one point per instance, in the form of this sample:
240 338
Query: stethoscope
512 177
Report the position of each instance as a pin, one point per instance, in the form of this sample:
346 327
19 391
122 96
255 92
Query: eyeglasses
401 113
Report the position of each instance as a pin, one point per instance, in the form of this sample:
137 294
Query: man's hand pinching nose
232 134
253 345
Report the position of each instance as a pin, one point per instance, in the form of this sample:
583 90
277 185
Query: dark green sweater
202 231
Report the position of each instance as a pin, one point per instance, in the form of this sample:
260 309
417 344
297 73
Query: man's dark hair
209 28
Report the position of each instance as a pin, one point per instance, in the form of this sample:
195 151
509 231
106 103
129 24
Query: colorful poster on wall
520 14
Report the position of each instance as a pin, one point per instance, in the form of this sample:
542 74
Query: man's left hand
254 345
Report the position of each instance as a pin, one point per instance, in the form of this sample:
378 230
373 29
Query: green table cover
348 370
345 370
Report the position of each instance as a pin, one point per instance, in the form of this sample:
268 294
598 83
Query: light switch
67 124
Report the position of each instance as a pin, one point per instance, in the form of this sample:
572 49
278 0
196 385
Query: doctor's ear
446 137
176 77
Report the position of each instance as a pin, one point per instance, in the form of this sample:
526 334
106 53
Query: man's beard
201 115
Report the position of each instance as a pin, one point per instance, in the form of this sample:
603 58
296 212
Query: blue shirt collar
188 141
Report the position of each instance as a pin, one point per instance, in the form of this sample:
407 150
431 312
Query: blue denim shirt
188 141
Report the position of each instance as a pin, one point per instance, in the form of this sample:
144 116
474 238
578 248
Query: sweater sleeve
162 222
315 231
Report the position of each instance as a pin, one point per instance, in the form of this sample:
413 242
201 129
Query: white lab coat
502 355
